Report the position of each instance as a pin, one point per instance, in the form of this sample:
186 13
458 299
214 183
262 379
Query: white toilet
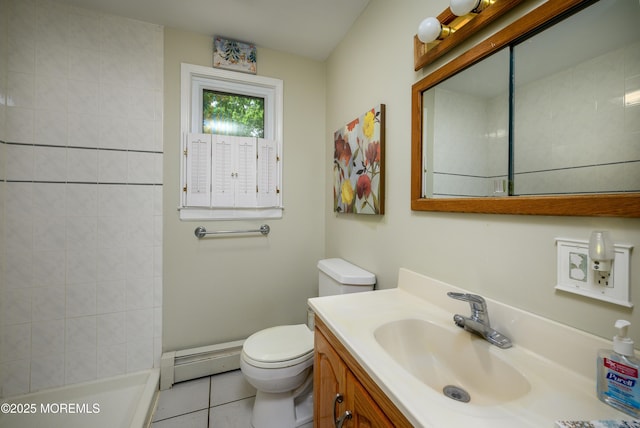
278 361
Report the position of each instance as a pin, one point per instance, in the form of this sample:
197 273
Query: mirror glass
576 122
465 131
574 114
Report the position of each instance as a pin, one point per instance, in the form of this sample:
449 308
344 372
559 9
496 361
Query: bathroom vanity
341 385
395 355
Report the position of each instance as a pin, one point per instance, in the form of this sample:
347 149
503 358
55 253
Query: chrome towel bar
201 232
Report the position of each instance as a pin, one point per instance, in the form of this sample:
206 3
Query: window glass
232 114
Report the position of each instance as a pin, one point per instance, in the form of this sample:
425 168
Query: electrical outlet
603 279
575 274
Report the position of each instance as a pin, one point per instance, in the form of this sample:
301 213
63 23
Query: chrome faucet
478 322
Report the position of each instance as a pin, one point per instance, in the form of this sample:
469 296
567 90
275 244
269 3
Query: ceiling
309 28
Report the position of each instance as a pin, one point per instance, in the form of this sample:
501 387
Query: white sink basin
441 357
406 341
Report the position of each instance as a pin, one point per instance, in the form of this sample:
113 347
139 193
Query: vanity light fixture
462 19
463 7
601 251
431 30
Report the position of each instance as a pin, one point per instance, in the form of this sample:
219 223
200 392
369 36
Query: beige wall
510 258
221 289
217 290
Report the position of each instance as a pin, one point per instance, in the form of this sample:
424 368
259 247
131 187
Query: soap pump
618 373
622 344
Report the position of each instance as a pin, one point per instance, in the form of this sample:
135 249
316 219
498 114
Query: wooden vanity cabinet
337 372
366 413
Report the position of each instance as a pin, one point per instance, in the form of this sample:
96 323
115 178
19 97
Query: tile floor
220 401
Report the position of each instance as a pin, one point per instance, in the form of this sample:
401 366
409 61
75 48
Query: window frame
194 79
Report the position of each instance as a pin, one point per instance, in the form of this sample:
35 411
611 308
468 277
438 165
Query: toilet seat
277 347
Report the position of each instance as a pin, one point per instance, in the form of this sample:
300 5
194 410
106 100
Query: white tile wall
546 131
471 141
4 54
80 195
595 90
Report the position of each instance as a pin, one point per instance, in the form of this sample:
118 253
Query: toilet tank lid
345 272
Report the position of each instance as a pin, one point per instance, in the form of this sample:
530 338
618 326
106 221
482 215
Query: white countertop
558 361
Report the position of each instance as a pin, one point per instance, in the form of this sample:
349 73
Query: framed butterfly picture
234 55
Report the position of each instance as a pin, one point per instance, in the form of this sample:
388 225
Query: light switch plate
576 276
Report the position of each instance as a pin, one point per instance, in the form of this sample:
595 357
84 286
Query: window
231 114
232 145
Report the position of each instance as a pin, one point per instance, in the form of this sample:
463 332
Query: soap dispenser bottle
618 383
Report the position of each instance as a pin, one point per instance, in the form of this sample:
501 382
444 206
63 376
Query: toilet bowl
278 361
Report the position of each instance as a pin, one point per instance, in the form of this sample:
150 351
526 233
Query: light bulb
429 30
462 7
601 251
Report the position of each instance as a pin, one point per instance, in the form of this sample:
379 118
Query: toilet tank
338 276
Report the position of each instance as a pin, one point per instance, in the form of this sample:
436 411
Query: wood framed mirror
623 203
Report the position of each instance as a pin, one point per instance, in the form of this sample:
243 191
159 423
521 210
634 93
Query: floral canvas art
358 164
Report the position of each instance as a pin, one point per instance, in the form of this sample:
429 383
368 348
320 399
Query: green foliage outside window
232 114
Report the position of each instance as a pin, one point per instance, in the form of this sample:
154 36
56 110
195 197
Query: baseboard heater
187 364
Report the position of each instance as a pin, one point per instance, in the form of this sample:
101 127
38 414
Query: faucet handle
477 303
467 297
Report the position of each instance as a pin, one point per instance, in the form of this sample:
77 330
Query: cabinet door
329 378
366 413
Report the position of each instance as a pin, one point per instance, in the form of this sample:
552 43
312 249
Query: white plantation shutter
198 170
223 173
232 172
267 173
246 172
